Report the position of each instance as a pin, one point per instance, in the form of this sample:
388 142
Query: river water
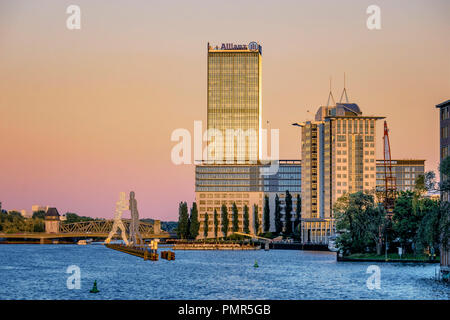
39 272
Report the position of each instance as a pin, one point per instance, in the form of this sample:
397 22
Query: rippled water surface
39 272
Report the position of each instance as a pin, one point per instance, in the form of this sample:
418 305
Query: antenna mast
344 91
330 95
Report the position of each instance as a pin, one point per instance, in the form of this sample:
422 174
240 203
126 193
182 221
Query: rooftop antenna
330 95
344 91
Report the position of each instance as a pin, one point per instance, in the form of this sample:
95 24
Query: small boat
332 244
84 242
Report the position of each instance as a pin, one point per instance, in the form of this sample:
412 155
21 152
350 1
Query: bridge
90 229
253 236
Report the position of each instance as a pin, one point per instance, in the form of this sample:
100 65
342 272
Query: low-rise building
52 221
405 171
37 208
243 184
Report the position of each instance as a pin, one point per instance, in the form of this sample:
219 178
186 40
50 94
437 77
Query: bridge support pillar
157 227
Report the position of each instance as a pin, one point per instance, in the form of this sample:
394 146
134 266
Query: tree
298 216
39 215
278 224
266 214
73 217
235 218
38 225
444 223
425 182
408 212
360 221
216 223
246 220
183 220
194 224
429 233
288 214
225 221
205 226
444 168
256 217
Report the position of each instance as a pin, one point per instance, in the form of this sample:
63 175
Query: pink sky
85 114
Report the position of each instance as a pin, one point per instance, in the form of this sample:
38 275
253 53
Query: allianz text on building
338 157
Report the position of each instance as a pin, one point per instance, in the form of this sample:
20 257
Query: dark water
39 272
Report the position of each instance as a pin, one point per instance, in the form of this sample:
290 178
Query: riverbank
391 257
214 246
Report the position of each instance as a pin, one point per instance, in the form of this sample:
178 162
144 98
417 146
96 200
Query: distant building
26 214
405 172
52 221
37 208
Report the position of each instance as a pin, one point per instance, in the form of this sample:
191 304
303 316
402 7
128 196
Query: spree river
39 272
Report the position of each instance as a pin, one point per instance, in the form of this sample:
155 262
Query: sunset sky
85 114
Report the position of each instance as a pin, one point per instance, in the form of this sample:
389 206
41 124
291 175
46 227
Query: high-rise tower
234 103
338 157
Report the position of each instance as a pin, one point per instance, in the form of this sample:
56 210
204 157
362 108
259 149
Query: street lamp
296 124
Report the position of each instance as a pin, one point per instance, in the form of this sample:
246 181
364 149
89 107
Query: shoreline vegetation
391 257
416 228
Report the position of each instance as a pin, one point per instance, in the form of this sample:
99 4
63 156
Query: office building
288 178
216 185
405 172
444 129
338 157
234 103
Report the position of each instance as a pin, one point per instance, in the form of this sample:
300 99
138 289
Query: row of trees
288 229
14 222
418 222
189 224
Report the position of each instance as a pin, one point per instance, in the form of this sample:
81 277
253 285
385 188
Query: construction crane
390 186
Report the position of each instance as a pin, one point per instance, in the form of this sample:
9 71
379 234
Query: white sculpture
118 224
135 235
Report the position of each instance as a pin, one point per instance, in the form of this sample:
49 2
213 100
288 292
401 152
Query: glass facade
405 172
247 178
234 105
216 185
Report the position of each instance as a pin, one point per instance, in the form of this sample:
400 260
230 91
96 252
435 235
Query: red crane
390 187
